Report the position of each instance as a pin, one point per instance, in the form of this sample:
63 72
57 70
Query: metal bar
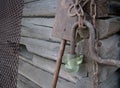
58 63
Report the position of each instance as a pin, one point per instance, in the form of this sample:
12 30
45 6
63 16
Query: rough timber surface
38 28
40 8
48 8
42 77
39 49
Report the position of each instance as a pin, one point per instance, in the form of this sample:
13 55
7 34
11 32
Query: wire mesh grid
10 24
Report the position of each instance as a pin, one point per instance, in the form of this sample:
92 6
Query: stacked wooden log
38 49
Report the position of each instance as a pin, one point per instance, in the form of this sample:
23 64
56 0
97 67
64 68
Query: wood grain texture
42 77
38 28
49 66
108 27
43 48
29 1
24 82
40 8
48 8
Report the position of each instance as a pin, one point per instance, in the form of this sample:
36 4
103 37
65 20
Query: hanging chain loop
93 11
95 64
77 6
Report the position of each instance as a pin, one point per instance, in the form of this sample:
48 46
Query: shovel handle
58 63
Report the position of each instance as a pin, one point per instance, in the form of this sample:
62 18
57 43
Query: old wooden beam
35 8
48 8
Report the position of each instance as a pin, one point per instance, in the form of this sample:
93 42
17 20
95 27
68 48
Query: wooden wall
38 49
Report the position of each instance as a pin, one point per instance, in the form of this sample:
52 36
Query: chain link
93 12
78 6
95 64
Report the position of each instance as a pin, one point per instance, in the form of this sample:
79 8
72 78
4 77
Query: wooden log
105 8
29 1
42 48
40 8
41 77
38 28
84 83
108 27
45 22
24 82
49 66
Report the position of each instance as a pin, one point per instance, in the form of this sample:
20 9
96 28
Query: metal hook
72 42
92 51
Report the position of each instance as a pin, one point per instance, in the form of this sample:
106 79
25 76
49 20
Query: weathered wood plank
24 52
28 1
45 22
39 28
43 48
23 82
112 81
40 8
84 83
41 77
108 27
49 66
104 27
48 8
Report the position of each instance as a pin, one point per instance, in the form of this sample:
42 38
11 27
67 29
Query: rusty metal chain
92 43
79 12
92 40
76 9
77 6
93 12
95 64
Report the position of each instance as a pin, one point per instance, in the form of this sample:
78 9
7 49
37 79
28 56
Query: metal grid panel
10 19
